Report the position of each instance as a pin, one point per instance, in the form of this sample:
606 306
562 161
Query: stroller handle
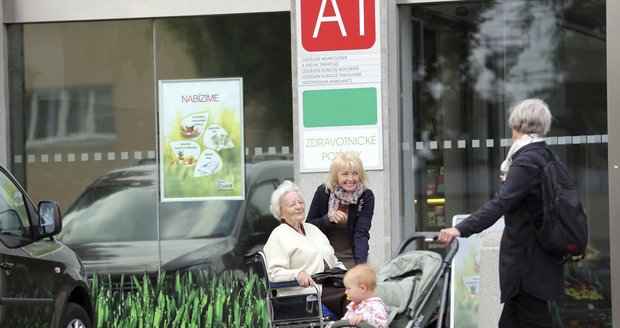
428 236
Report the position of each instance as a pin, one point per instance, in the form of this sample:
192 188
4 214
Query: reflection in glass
117 223
47 217
255 47
468 64
83 104
13 213
122 207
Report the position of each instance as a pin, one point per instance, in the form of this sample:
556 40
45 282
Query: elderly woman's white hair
276 197
531 116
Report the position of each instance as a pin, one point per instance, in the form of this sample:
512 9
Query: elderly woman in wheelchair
296 250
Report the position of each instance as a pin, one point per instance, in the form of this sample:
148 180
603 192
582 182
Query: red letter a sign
328 25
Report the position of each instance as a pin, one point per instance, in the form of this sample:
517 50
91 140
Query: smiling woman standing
342 207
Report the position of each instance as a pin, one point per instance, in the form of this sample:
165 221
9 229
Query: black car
118 227
42 282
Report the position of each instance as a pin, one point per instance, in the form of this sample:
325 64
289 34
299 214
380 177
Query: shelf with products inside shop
583 279
432 201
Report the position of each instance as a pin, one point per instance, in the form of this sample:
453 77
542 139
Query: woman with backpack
530 276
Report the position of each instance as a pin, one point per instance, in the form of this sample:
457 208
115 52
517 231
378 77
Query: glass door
463 66
450 130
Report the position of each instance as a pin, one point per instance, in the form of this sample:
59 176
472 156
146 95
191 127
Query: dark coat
358 224
522 261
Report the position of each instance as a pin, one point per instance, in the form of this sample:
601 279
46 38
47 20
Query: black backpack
564 229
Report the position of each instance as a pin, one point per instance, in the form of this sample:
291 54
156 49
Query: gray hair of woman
275 207
531 116
345 161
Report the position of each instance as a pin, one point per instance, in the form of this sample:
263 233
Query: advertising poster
201 139
465 274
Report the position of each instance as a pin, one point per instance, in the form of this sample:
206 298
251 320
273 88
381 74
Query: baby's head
360 282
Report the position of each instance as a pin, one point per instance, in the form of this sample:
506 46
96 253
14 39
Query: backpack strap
541 160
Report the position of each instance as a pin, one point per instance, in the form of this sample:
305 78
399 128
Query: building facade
80 99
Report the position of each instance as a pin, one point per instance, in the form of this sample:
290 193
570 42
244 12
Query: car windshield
129 213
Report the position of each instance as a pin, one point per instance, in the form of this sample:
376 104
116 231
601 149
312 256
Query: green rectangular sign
339 107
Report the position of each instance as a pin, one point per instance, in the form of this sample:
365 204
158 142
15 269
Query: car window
13 214
111 215
198 219
261 197
119 214
258 217
124 206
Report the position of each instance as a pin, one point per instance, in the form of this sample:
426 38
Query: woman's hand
304 279
338 217
446 235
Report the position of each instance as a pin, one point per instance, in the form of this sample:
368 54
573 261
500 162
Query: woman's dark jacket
358 224
522 261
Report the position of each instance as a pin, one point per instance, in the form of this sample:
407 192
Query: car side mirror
50 222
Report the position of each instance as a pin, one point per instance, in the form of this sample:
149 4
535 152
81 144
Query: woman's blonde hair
344 161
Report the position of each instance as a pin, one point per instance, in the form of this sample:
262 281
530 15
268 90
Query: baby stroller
414 285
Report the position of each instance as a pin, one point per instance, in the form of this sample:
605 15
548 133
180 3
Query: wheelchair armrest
276 285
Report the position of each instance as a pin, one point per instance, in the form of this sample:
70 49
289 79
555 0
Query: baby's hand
354 320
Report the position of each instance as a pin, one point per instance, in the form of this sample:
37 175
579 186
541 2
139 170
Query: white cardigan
288 252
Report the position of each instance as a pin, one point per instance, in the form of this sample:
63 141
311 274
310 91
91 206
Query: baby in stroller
366 308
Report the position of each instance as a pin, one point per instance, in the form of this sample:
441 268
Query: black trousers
525 311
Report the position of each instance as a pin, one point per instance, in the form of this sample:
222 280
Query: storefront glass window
84 113
465 64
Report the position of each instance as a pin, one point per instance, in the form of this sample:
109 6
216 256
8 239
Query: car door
26 274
